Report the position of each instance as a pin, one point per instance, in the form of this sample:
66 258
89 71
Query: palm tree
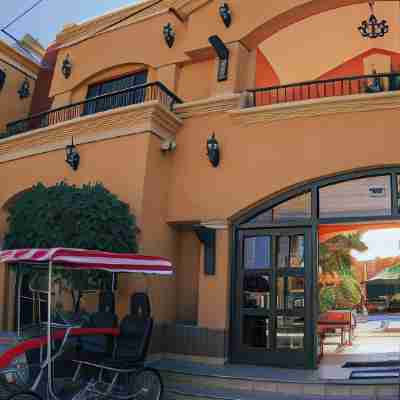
335 262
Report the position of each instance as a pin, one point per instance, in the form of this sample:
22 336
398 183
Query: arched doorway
275 262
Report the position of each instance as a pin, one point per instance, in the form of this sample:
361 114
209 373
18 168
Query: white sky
381 243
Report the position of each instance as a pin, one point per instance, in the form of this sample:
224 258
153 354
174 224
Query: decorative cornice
22 61
138 11
186 7
211 105
317 107
132 120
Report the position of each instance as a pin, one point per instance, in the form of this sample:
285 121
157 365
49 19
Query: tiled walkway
375 340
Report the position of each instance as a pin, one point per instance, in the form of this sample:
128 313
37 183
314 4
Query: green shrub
87 217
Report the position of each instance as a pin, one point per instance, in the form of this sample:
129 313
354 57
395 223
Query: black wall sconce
72 157
66 67
169 34
373 28
213 151
223 55
2 79
226 14
24 91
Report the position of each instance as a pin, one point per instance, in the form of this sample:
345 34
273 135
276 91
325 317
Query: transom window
374 196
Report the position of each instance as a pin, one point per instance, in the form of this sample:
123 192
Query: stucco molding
141 118
186 7
207 106
138 12
316 108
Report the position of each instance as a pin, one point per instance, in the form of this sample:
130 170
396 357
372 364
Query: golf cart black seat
131 345
98 347
135 333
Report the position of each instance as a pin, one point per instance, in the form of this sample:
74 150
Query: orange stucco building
141 113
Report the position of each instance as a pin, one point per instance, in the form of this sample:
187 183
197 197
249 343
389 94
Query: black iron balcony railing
134 95
308 90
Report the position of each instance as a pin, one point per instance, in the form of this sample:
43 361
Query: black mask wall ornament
169 35
72 157
213 151
66 67
24 91
225 14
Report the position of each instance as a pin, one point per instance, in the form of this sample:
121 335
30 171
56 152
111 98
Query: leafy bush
87 217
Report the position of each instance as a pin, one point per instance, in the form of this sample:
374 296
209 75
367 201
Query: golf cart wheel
25 396
147 385
9 389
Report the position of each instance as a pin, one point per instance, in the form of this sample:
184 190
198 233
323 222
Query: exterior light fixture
66 67
2 79
24 91
213 151
169 35
72 157
373 28
225 14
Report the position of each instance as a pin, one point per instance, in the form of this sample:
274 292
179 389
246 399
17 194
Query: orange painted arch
292 16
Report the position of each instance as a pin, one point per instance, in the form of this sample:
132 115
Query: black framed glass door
274 306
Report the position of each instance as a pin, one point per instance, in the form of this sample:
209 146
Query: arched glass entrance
275 262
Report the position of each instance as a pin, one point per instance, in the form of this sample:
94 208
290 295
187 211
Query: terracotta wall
41 101
123 175
328 42
13 108
265 74
254 158
214 289
188 272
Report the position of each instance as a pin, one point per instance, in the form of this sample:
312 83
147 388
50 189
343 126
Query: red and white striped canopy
90 259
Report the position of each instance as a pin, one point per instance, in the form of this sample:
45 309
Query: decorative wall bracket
223 55
207 236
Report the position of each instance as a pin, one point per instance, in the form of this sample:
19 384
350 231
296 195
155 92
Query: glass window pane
295 209
290 333
256 291
265 217
356 198
297 251
290 293
256 331
283 251
257 252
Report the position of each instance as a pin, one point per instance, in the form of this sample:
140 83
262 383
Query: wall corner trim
207 236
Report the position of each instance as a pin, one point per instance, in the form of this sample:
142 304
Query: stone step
190 381
190 392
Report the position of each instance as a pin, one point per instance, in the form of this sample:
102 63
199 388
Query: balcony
154 91
311 99
311 90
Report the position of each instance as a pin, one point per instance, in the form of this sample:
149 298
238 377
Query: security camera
168 145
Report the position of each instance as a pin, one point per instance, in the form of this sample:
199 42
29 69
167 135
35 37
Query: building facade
18 74
142 90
